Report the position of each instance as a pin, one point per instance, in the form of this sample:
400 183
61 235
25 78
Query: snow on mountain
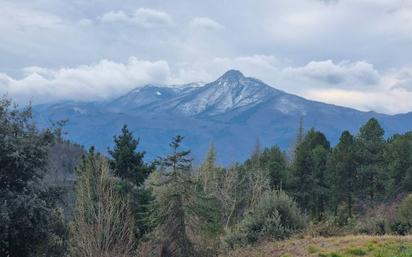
232 112
143 96
230 92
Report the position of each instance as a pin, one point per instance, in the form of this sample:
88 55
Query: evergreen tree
30 223
370 145
301 132
275 162
209 173
175 202
300 136
342 167
185 212
126 162
398 160
309 179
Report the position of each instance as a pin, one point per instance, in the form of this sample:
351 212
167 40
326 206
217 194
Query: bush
328 227
405 210
275 216
387 218
374 226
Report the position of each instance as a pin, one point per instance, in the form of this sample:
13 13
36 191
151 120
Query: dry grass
346 246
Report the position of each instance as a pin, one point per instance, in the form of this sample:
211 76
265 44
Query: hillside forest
58 199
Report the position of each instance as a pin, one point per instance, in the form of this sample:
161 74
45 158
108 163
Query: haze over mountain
232 112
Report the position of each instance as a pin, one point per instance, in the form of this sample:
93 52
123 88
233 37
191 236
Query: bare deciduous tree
102 224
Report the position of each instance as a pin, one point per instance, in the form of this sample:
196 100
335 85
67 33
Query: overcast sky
355 53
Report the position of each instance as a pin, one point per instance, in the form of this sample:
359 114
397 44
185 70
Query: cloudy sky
356 53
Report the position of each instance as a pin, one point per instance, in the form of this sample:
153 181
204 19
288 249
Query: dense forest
57 199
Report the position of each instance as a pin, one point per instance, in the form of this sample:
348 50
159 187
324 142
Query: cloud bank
143 17
352 53
354 84
103 80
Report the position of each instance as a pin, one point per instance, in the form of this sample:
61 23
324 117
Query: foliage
30 224
127 163
398 157
342 168
275 216
369 154
209 174
125 203
233 194
405 210
180 216
308 182
102 224
327 227
272 163
382 219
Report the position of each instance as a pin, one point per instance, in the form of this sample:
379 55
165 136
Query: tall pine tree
398 160
369 150
185 213
175 202
127 163
342 167
309 179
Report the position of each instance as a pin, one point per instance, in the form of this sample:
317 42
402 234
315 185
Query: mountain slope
232 112
231 91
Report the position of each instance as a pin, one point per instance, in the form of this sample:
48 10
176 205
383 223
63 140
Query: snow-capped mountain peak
231 91
231 76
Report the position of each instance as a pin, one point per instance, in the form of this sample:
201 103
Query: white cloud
102 80
26 19
344 74
402 79
205 23
353 84
380 100
149 17
143 17
116 16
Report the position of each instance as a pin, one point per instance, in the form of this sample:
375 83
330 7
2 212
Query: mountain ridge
232 112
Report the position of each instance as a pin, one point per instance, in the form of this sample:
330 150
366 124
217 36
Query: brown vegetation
321 246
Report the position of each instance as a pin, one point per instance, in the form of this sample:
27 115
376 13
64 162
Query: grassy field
347 246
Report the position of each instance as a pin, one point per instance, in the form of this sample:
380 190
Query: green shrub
328 227
405 210
275 216
399 228
374 226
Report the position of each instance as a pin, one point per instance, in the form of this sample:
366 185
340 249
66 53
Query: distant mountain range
231 112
